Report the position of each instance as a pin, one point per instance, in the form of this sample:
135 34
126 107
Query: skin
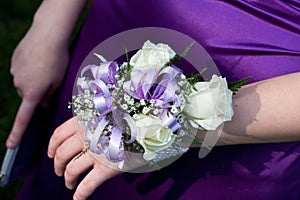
64 147
39 69
259 109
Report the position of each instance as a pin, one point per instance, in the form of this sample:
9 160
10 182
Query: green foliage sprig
236 85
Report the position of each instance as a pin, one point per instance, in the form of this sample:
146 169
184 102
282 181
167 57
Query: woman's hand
38 66
65 147
40 60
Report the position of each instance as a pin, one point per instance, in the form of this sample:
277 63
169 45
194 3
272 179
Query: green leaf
196 77
177 58
127 56
236 85
187 50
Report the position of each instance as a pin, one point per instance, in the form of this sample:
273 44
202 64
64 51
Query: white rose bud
152 56
152 135
210 104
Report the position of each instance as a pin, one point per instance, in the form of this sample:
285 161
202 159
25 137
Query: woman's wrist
56 19
265 112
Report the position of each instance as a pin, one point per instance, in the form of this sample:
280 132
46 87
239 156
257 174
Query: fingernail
50 154
71 186
58 173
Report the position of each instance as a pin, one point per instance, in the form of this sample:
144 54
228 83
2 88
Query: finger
22 119
93 179
60 134
65 152
76 167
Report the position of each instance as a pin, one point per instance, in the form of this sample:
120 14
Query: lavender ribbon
140 84
170 121
97 142
106 71
158 87
102 98
132 127
110 143
115 151
165 90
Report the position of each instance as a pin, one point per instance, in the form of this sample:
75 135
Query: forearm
265 112
57 18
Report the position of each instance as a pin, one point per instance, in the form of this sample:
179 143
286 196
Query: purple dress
244 37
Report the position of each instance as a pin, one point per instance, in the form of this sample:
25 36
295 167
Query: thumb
22 119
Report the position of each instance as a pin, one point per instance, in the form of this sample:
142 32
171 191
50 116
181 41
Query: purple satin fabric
244 37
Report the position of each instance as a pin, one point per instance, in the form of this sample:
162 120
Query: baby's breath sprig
84 106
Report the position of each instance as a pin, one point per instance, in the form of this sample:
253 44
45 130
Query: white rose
210 104
152 56
152 135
